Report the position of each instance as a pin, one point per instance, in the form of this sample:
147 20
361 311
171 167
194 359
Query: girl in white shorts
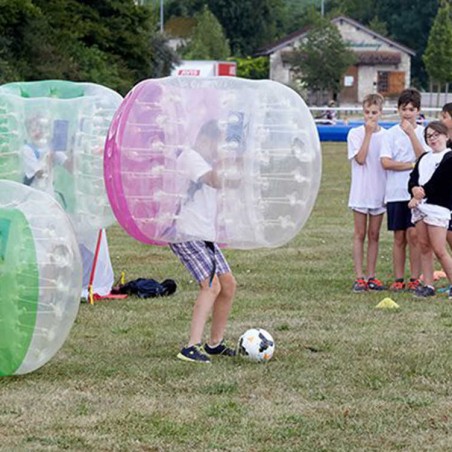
430 185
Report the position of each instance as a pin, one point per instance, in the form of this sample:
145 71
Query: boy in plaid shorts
204 259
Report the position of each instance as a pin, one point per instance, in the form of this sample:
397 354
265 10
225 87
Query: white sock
216 345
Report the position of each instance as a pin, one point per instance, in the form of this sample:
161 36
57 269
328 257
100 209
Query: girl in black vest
430 185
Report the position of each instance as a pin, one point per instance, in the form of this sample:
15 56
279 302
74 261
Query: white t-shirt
397 146
368 183
41 159
428 165
197 216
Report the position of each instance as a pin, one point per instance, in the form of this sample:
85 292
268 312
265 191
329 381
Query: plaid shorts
199 260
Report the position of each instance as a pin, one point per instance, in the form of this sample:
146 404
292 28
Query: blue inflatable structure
339 130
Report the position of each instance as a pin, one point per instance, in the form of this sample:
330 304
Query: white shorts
373 212
431 215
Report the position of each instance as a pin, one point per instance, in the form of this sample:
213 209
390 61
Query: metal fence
352 112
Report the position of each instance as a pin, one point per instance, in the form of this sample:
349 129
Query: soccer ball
256 344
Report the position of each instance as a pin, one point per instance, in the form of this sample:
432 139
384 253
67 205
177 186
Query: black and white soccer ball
256 344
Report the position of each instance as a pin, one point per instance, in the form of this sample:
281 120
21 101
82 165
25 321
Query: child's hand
413 203
371 125
418 193
406 127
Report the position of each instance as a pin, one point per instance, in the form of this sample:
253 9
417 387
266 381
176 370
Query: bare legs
222 308
399 254
433 238
449 239
425 252
437 237
217 298
415 255
401 239
373 237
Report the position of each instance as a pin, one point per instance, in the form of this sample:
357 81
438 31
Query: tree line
117 43
110 42
424 26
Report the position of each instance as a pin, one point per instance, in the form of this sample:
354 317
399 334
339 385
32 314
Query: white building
382 65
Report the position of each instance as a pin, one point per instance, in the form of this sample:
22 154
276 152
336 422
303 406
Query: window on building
390 82
383 82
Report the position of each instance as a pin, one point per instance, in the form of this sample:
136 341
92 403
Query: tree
110 42
361 10
438 54
294 14
378 26
208 41
163 57
21 27
408 22
322 59
253 68
187 8
249 24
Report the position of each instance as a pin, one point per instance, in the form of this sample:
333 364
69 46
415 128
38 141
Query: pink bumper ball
224 159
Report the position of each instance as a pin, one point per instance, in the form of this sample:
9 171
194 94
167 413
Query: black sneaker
220 349
450 292
424 292
194 354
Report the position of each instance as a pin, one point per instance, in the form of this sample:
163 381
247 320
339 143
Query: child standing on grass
402 145
430 185
204 259
446 119
367 192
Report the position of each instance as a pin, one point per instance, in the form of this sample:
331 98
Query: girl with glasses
430 185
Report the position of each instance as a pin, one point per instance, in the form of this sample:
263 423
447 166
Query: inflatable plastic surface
222 159
40 278
52 136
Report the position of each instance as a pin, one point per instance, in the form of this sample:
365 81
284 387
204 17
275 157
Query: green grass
345 376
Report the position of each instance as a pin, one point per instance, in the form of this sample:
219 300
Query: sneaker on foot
450 293
220 349
375 284
397 286
359 285
413 284
194 353
424 292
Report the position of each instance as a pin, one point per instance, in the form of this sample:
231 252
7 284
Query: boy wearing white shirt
203 258
367 190
403 144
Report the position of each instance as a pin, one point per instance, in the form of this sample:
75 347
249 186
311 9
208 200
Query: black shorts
450 226
399 216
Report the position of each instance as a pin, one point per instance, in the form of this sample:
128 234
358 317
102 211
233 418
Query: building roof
294 37
370 58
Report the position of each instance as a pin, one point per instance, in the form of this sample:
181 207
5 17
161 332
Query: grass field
345 376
